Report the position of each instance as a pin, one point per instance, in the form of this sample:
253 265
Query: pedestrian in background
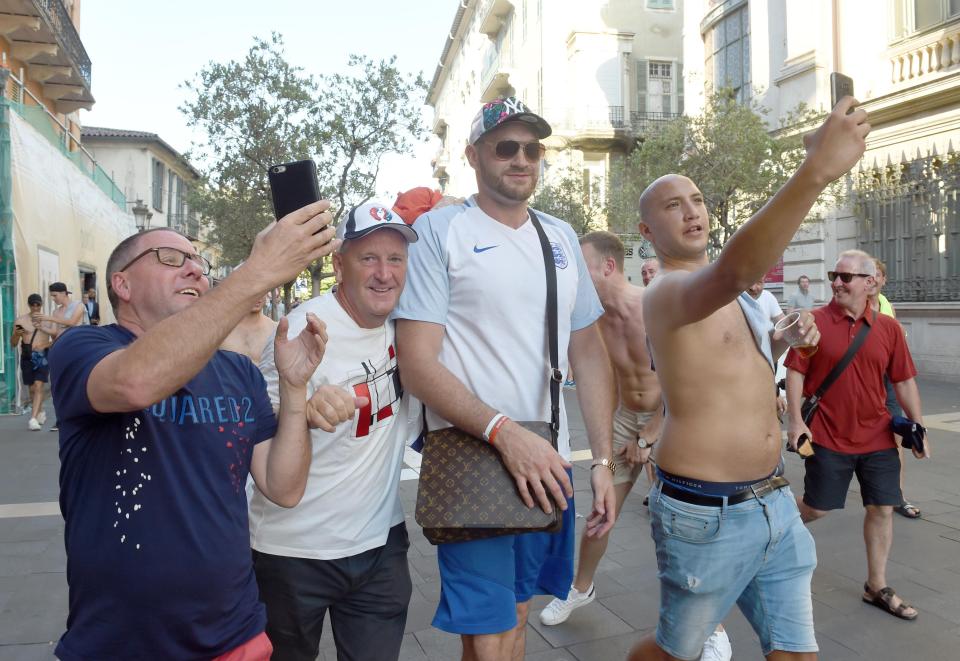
880 303
801 299
33 342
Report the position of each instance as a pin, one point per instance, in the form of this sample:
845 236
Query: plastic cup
789 326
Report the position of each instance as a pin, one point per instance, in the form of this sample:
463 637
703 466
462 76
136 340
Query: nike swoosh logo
477 249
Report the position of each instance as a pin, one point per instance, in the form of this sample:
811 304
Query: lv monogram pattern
466 491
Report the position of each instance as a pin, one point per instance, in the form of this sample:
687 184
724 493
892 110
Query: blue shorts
756 554
481 582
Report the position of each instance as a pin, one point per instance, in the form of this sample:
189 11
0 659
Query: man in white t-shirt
344 547
472 336
768 302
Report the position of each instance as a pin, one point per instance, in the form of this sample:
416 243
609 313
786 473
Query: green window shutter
641 85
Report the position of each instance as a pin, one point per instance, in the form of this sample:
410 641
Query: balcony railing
927 55
646 122
612 117
186 223
35 113
57 18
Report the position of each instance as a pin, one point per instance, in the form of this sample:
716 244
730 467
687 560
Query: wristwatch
643 444
607 463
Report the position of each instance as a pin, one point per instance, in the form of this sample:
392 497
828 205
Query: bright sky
142 51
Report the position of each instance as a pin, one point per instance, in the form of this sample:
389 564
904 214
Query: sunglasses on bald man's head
845 277
507 149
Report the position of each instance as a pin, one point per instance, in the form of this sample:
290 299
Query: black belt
755 490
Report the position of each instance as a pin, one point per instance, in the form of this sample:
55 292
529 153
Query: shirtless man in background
637 420
726 529
251 335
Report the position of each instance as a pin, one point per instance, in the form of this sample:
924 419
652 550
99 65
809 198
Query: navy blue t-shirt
158 553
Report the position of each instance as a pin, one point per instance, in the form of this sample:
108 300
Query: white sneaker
717 647
34 425
42 418
559 610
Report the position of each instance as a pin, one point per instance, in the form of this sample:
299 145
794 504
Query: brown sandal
882 599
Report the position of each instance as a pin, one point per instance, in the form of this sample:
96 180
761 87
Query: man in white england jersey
472 343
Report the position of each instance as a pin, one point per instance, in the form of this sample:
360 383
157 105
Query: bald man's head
655 190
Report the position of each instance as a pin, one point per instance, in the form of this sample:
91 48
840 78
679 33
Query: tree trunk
287 296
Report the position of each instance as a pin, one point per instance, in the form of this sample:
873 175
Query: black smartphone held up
840 86
293 186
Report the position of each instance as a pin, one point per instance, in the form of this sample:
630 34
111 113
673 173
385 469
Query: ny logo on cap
514 105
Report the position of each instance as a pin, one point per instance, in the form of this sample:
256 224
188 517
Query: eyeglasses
172 257
845 277
507 149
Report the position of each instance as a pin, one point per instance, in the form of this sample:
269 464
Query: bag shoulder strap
847 358
556 377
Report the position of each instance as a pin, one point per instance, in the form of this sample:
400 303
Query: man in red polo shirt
851 429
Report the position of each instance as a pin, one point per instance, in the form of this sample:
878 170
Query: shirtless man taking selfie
726 528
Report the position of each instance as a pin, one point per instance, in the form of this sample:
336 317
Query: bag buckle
556 375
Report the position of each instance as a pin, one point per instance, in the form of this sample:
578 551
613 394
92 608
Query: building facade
150 171
903 200
60 212
603 73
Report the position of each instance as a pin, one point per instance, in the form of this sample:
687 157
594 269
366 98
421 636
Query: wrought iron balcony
57 19
42 35
646 122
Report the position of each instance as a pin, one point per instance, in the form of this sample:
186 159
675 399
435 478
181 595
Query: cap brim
408 232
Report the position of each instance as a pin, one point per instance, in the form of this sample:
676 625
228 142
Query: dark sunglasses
172 257
845 277
507 149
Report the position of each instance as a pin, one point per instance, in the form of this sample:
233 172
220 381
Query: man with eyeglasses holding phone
159 431
851 428
472 345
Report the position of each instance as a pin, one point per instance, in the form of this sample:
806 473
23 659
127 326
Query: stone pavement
924 566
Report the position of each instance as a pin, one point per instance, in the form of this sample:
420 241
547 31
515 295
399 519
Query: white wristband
490 426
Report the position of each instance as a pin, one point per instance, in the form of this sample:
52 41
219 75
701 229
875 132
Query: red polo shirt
853 417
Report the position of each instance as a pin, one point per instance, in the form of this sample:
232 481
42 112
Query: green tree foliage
728 152
261 110
564 194
253 113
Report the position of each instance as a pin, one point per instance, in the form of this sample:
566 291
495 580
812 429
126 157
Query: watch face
642 442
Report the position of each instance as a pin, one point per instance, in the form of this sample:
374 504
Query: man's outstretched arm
832 150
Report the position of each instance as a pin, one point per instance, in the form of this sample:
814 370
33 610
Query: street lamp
142 215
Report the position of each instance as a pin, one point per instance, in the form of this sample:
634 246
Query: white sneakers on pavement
34 425
559 610
42 418
717 647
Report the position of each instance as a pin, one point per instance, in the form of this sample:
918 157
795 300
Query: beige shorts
627 427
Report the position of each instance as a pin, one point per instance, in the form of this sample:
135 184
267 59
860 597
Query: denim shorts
756 554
